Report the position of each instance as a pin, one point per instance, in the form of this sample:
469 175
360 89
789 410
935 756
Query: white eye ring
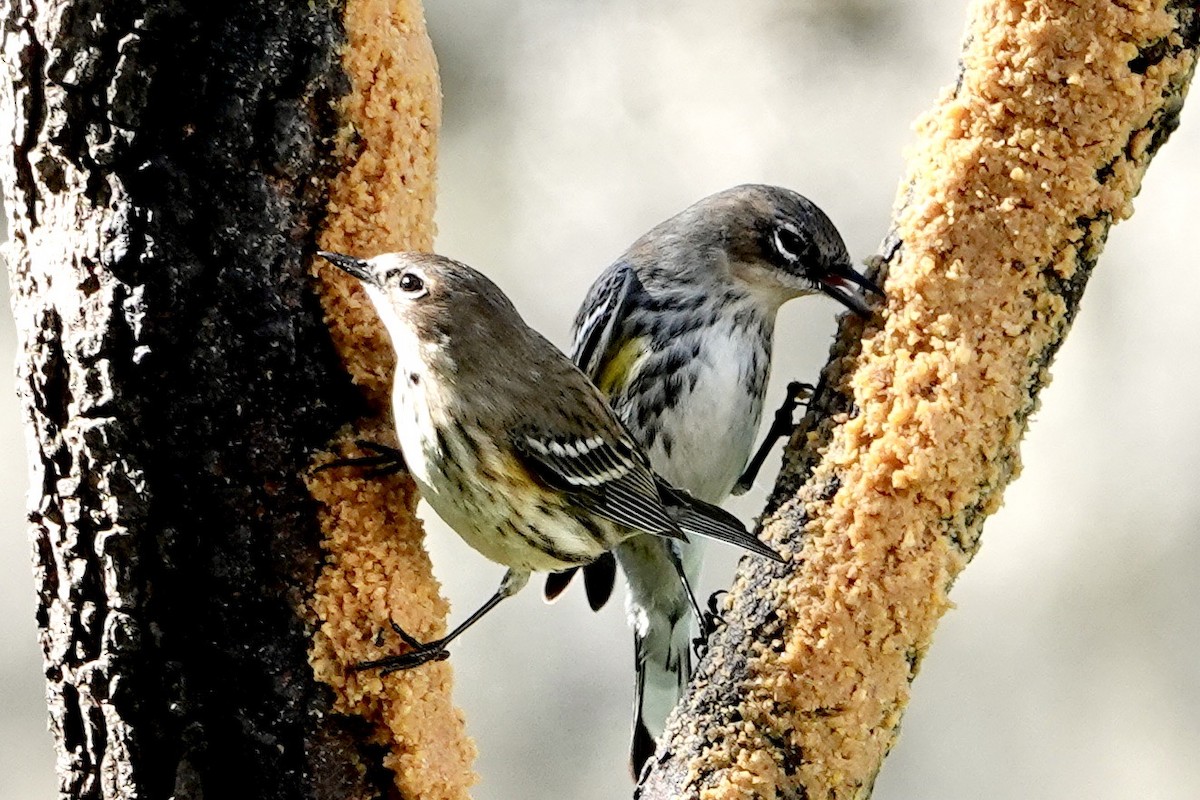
789 243
412 284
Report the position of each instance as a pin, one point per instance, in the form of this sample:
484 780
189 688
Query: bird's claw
709 623
783 425
799 392
713 618
708 626
713 600
405 636
389 664
413 659
421 653
386 461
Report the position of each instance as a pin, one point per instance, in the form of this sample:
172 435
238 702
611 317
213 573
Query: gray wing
606 477
599 315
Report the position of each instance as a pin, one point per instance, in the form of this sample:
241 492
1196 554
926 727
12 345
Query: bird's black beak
355 266
839 282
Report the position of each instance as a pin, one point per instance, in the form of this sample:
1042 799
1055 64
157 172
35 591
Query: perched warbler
677 333
511 445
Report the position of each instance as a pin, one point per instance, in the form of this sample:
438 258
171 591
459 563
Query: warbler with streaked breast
677 333
508 441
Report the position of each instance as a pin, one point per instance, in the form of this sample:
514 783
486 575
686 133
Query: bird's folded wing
602 476
602 310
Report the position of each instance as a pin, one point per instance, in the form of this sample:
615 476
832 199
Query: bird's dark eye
792 246
411 282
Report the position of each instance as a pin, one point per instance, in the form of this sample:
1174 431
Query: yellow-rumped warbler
508 441
677 333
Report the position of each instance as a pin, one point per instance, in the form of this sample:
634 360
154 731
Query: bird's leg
424 652
783 425
687 589
386 461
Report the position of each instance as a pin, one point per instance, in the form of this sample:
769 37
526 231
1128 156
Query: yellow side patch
619 369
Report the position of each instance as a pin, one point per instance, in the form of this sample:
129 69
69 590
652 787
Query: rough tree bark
1018 175
164 173
165 168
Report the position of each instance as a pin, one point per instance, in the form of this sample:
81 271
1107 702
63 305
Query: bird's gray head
774 242
431 302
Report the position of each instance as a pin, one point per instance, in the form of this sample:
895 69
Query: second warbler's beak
355 266
839 282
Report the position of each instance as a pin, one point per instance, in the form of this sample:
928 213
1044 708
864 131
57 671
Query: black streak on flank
443 445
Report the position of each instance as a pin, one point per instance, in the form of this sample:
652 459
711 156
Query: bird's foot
386 461
709 623
784 425
421 653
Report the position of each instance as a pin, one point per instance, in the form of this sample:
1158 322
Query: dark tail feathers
697 517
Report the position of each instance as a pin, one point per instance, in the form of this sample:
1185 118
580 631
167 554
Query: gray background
1070 665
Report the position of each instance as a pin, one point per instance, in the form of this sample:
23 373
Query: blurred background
1071 666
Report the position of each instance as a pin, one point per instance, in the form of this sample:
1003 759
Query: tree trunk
166 172
1018 175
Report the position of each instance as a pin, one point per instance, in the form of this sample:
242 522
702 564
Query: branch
167 171
1018 174
377 569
